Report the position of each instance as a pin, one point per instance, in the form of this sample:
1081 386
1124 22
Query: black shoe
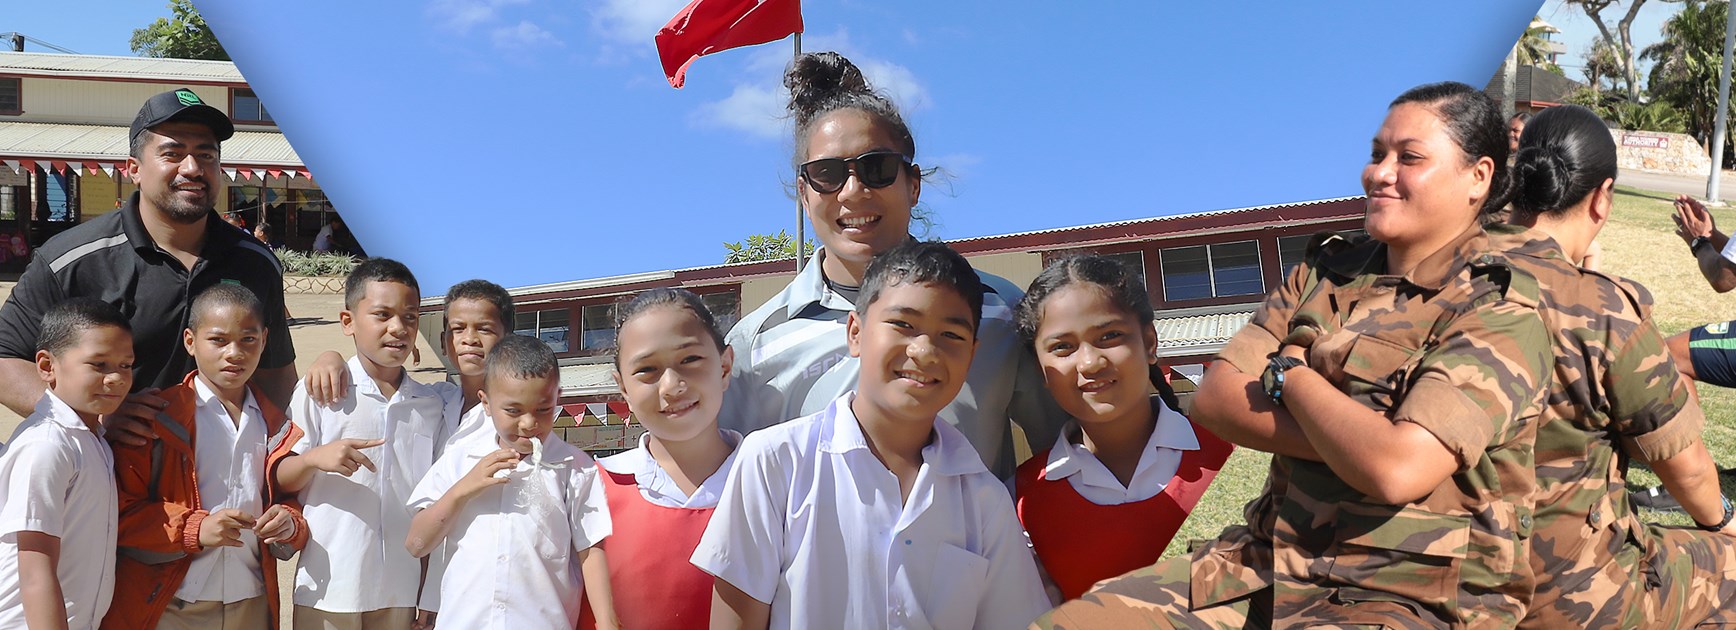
1655 498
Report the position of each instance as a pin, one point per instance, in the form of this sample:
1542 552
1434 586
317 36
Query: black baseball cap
181 104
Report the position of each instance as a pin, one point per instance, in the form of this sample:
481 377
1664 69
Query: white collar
949 453
55 410
1172 431
364 383
207 397
639 462
555 450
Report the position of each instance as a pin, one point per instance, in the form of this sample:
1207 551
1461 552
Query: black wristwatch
1272 380
1694 245
1729 511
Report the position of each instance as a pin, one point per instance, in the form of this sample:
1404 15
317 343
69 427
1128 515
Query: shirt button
1525 521
1596 518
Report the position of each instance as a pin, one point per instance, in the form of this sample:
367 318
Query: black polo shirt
112 258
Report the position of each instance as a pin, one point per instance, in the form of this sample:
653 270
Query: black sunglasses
875 169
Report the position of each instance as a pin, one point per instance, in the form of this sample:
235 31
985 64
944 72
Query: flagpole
801 227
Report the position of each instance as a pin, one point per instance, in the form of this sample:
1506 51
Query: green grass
1639 243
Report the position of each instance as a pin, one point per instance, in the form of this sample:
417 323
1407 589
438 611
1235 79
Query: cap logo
187 97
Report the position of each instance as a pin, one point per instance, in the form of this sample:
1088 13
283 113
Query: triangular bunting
231 173
109 170
29 165
59 166
275 172
92 167
12 164
620 408
600 410
247 174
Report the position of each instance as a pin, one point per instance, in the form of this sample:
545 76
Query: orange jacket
157 538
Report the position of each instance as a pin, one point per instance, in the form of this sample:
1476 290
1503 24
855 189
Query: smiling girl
1107 498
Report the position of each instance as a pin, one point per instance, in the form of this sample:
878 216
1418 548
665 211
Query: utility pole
1723 110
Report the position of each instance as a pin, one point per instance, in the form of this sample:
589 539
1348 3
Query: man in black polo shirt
150 258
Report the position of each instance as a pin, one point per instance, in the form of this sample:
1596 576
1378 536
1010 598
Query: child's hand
483 474
328 379
223 528
343 457
275 525
424 620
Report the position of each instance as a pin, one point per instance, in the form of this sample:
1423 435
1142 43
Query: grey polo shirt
112 258
792 359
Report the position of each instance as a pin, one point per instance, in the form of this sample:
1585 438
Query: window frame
235 113
1212 281
18 81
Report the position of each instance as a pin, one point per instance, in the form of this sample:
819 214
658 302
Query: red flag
707 26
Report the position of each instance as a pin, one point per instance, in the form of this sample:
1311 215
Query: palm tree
1533 48
1686 63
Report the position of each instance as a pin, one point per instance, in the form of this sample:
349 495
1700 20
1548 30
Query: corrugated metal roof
587 379
1199 333
101 66
102 142
1173 217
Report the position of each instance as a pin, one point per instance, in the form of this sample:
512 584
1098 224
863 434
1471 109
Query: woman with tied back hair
1598 565
1397 381
857 182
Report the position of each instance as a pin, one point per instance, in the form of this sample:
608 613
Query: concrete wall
1673 153
1019 268
99 102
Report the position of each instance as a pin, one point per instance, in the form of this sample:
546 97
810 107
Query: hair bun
1543 178
815 78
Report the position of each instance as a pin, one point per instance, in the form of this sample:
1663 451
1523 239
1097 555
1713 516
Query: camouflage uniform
1600 567
1456 347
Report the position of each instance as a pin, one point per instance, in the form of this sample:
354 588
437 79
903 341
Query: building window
246 107
11 96
1208 271
1133 260
1291 249
599 327
725 309
58 201
1290 252
550 326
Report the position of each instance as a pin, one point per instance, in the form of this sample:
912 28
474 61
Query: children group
451 505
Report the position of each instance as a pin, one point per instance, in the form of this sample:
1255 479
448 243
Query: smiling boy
355 573
876 484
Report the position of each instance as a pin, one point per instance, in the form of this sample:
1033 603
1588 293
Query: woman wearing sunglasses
1398 382
857 181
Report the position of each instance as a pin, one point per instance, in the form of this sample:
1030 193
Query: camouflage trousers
1682 578
1158 597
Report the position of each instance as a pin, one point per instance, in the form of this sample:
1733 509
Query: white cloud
758 107
524 35
460 16
757 110
635 20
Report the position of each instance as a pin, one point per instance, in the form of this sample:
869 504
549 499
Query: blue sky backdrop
533 141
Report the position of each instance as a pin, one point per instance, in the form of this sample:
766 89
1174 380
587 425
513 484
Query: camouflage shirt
1614 380
1456 347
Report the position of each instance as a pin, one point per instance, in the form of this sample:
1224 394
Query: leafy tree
1622 38
1603 62
1686 64
183 36
763 247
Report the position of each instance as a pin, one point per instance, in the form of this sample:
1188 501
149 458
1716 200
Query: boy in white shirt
512 510
355 572
57 487
871 514
201 529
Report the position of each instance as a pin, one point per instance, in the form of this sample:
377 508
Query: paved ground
1681 185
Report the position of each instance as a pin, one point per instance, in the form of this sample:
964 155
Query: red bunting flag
707 26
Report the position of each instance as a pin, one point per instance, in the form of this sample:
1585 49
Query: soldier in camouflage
1399 491
1600 567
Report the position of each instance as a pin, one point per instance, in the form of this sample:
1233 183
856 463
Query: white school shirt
475 424
57 477
655 484
355 560
811 522
792 359
1157 463
230 464
513 566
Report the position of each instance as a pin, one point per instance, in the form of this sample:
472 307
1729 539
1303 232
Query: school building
1206 272
64 121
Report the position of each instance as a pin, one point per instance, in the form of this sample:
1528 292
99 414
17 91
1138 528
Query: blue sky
532 141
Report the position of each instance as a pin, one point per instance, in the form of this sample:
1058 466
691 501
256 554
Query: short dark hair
1519 116
1564 153
922 261
482 291
224 294
666 296
1473 120
522 357
65 322
376 270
